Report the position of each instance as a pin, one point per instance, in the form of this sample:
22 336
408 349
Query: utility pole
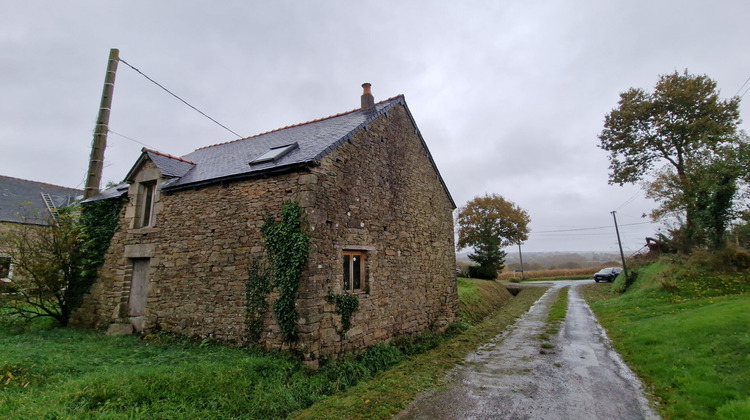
520 256
96 161
624 267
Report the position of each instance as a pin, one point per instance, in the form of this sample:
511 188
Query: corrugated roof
21 200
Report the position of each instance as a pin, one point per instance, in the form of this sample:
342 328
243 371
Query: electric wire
591 228
131 139
629 200
180 99
743 85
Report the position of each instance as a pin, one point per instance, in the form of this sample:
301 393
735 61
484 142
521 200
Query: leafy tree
55 265
46 262
681 141
489 224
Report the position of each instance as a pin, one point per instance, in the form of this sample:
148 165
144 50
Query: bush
479 272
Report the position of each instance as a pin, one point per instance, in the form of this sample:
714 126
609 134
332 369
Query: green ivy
257 288
99 221
346 306
288 246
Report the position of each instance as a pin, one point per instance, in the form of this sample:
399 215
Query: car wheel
596 280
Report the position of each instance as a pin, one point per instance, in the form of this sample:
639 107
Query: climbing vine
346 306
288 246
99 221
257 288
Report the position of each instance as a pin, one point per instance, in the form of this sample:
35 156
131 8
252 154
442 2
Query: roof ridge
167 155
296 125
39 182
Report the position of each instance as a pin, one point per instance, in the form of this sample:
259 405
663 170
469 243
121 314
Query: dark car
607 274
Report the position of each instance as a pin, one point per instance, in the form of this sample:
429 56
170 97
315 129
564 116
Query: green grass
66 373
392 391
479 298
78 374
555 317
686 336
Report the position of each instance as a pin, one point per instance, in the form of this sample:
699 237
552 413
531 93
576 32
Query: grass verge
554 318
479 298
393 390
692 350
66 373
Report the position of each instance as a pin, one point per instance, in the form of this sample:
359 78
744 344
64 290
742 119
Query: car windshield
605 271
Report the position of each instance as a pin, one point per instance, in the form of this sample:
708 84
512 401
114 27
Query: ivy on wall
346 306
99 221
257 288
288 247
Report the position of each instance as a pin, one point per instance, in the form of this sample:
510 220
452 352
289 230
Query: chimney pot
368 101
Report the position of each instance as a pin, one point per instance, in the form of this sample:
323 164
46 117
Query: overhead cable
590 228
181 100
133 140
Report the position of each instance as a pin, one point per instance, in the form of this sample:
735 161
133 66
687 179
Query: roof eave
276 170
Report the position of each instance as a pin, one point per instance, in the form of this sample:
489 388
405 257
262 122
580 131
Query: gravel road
513 377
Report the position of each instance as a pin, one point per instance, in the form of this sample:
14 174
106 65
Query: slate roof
21 200
315 139
233 160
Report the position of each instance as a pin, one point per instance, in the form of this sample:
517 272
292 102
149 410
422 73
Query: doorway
138 291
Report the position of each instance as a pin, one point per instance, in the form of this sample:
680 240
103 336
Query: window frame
9 260
147 199
348 259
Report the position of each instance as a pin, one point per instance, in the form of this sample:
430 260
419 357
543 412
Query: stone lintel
140 251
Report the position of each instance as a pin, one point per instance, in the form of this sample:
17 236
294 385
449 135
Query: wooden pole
622 255
96 161
520 256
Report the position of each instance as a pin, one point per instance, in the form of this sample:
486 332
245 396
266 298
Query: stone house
376 207
25 203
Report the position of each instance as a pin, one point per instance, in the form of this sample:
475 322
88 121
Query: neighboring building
25 202
377 209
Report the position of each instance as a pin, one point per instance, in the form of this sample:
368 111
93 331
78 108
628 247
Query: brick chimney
368 101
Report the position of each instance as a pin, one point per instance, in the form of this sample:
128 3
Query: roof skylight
274 154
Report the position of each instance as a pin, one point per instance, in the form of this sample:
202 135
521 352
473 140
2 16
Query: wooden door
138 291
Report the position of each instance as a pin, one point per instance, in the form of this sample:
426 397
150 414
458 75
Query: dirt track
513 377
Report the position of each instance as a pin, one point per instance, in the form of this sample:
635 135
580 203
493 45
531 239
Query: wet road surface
513 377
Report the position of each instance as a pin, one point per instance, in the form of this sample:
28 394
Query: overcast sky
509 95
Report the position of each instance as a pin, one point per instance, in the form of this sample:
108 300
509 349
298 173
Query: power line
181 100
133 140
743 85
629 200
591 228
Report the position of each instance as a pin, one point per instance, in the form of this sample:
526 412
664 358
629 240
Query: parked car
607 274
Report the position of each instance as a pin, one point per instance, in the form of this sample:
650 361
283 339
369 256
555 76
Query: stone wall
377 193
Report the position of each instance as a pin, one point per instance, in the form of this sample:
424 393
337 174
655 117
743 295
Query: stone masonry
377 193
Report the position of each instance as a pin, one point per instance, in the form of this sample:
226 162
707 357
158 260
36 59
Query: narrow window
5 265
147 210
353 270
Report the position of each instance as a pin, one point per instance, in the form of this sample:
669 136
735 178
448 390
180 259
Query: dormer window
147 203
274 154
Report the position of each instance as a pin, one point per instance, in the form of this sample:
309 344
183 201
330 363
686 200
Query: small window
274 154
5 267
354 271
147 208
